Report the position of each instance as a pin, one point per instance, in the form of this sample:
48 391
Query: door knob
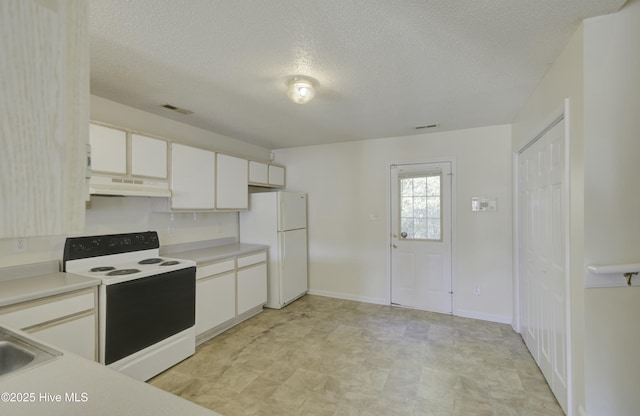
394 245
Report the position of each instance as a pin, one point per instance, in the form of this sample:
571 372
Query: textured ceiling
383 67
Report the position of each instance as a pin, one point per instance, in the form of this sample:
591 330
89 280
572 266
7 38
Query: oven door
144 311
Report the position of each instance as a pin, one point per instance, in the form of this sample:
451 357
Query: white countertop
36 287
71 385
38 280
215 253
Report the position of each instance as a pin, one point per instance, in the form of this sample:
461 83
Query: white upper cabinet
266 174
193 176
108 149
44 98
276 175
111 153
232 181
148 157
258 173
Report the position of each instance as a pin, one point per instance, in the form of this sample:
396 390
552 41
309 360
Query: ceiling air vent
177 109
428 126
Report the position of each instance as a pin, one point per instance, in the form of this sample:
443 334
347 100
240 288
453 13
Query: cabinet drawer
252 259
37 312
215 268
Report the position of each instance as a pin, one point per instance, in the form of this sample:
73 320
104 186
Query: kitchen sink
12 357
19 353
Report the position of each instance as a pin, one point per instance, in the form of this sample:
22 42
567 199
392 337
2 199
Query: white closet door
542 245
557 266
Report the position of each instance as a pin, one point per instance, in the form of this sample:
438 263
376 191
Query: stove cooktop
118 257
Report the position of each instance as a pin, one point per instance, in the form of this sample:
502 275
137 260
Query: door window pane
420 202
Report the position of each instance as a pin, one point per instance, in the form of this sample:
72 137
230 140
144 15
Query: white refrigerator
279 220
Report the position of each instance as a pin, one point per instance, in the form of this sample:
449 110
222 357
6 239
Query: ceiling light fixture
301 89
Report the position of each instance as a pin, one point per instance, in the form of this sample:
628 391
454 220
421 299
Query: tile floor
324 356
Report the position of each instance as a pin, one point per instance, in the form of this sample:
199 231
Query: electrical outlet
20 245
476 290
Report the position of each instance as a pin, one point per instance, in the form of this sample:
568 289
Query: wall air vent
177 109
428 126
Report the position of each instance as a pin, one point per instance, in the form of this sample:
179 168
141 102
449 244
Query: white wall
612 207
120 215
347 183
564 80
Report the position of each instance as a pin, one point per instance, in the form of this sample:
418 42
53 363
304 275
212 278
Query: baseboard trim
382 301
347 296
501 319
217 330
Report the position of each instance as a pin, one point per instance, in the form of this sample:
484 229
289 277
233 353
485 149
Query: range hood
122 186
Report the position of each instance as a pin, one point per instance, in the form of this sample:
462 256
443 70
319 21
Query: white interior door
421 236
542 245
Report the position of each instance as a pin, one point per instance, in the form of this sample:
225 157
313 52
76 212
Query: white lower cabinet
72 335
252 287
215 301
67 321
229 291
252 282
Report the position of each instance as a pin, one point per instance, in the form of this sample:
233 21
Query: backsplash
113 215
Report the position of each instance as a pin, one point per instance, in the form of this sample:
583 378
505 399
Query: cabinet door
232 182
215 301
258 173
276 175
252 287
148 157
108 149
77 336
192 178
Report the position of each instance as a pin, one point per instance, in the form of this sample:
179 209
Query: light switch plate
484 203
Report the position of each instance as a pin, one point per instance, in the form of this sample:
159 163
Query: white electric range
146 301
